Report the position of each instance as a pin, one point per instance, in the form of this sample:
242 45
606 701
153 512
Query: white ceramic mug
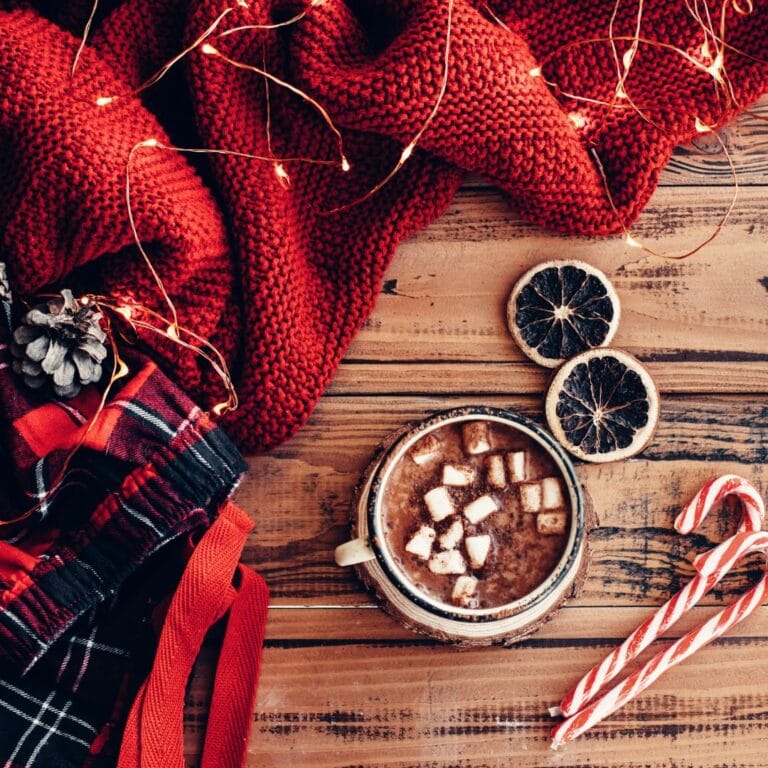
369 553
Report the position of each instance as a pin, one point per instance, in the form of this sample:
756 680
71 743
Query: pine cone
60 344
5 286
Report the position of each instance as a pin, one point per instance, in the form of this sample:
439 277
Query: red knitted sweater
280 287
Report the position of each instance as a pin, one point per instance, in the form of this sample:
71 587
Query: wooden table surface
343 684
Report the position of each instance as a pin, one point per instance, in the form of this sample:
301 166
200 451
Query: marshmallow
477 549
516 464
421 542
552 493
447 562
453 535
427 449
551 523
476 438
495 474
476 511
439 503
530 497
458 474
464 590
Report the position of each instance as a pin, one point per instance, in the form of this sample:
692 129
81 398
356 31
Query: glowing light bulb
407 152
716 66
631 242
345 166
705 52
125 312
122 370
149 143
209 50
535 72
282 175
577 119
620 92
627 58
220 408
702 127
102 101
242 3
172 332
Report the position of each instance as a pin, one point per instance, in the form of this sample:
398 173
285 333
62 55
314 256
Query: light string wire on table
710 567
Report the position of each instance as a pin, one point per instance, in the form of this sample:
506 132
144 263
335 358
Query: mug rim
398 449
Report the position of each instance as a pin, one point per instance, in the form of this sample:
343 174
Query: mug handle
353 552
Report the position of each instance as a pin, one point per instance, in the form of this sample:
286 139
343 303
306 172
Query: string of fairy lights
712 61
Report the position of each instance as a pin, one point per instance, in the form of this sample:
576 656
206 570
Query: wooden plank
438 377
300 496
376 705
574 621
444 295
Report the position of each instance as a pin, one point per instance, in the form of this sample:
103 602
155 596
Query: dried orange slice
559 309
603 406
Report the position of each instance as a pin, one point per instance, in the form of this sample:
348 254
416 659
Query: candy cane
697 638
713 492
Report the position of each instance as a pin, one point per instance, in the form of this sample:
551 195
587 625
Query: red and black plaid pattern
80 580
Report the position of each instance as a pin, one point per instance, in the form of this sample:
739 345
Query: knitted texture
278 285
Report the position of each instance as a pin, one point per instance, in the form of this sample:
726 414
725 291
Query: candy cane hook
713 492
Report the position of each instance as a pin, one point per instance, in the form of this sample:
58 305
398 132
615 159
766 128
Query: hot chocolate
476 514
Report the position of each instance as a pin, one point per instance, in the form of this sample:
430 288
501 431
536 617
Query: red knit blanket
280 287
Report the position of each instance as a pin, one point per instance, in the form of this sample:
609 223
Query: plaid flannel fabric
84 581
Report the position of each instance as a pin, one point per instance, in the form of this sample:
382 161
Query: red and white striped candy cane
720 560
697 638
713 492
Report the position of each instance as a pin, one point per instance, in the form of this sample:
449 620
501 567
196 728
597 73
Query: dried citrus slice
602 406
561 308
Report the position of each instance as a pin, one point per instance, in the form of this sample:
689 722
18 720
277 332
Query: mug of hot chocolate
469 526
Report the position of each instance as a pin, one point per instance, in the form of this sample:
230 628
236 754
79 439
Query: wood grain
405 704
484 378
444 296
576 620
345 686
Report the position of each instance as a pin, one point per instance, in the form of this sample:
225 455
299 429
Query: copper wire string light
84 38
277 25
210 50
712 61
103 101
173 330
711 64
408 150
